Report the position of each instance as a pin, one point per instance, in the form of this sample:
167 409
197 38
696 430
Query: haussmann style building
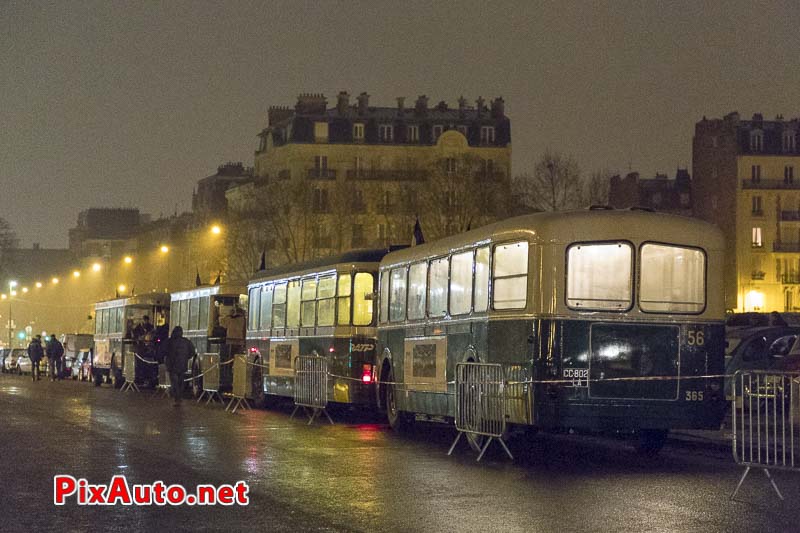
744 181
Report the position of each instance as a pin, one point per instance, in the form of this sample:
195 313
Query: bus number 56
695 337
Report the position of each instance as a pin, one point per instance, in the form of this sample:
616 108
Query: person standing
55 354
36 353
179 351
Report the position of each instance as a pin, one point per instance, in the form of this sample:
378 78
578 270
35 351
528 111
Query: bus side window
202 321
481 279
184 318
326 290
343 300
417 287
308 307
293 304
461 283
437 287
279 306
265 307
385 296
364 286
397 295
510 286
194 313
254 304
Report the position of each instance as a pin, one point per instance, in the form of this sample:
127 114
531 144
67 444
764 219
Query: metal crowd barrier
129 372
480 406
766 422
311 386
240 383
164 383
210 368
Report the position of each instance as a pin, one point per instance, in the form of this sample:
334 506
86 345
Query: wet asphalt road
354 476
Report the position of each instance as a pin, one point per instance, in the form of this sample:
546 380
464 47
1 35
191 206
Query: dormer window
437 132
789 141
321 132
756 141
412 134
386 132
358 132
487 134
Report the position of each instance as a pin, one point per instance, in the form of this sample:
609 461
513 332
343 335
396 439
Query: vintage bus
567 303
322 307
198 311
115 322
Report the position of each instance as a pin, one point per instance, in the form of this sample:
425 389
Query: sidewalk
719 440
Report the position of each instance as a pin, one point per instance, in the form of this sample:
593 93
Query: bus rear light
331 349
366 374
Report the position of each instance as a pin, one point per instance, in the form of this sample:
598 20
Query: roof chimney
342 101
479 103
498 107
401 105
462 105
421 105
363 103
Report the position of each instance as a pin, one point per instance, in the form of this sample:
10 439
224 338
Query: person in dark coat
776 319
55 354
179 351
35 352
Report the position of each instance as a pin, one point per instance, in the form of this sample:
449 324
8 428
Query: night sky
129 104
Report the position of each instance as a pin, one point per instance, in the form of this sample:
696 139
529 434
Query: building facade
659 193
744 181
358 176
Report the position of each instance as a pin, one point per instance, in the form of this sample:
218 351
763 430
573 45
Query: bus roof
209 290
576 226
150 298
323 263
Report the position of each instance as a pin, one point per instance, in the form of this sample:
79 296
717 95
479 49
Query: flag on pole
197 280
263 265
219 278
418 237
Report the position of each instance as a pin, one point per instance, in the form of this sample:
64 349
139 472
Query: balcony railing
790 279
396 175
786 247
790 216
770 184
321 174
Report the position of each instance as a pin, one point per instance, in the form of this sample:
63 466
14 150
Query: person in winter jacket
35 352
179 351
55 354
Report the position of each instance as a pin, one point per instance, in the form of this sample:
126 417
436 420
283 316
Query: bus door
425 370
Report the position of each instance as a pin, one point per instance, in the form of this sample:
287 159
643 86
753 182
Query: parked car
762 349
11 358
24 363
77 348
3 352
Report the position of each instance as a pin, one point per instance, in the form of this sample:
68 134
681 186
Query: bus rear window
599 276
362 299
672 279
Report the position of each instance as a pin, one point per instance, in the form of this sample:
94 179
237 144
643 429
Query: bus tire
399 421
651 441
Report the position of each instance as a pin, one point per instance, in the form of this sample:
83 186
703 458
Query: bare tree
555 185
596 188
461 193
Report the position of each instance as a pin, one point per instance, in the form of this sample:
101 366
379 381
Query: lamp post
11 293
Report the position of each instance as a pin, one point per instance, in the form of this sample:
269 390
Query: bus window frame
633 280
424 316
254 303
471 309
446 314
705 279
348 296
318 300
528 292
313 300
488 247
404 317
374 318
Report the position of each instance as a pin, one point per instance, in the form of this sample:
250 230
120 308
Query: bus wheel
651 441
399 421
197 380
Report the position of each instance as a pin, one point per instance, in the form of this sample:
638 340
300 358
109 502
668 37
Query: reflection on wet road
356 475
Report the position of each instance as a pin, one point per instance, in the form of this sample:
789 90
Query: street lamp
216 230
11 292
96 267
128 260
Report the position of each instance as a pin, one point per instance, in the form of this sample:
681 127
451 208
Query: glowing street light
96 267
13 293
76 273
3 296
122 288
24 289
128 260
216 230
12 284
164 249
38 284
54 281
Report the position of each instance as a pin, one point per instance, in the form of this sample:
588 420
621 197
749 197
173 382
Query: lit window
343 300
358 132
487 134
362 299
672 279
437 288
293 304
253 302
321 132
599 276
757 238
279 306
326 291
308 305
481 279
461 283
265 315
510 287
397 296
417 286
412 134
386 132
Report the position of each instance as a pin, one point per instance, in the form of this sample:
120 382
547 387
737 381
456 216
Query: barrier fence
766 422
210 368
311 386
480 406
240 383
129 372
